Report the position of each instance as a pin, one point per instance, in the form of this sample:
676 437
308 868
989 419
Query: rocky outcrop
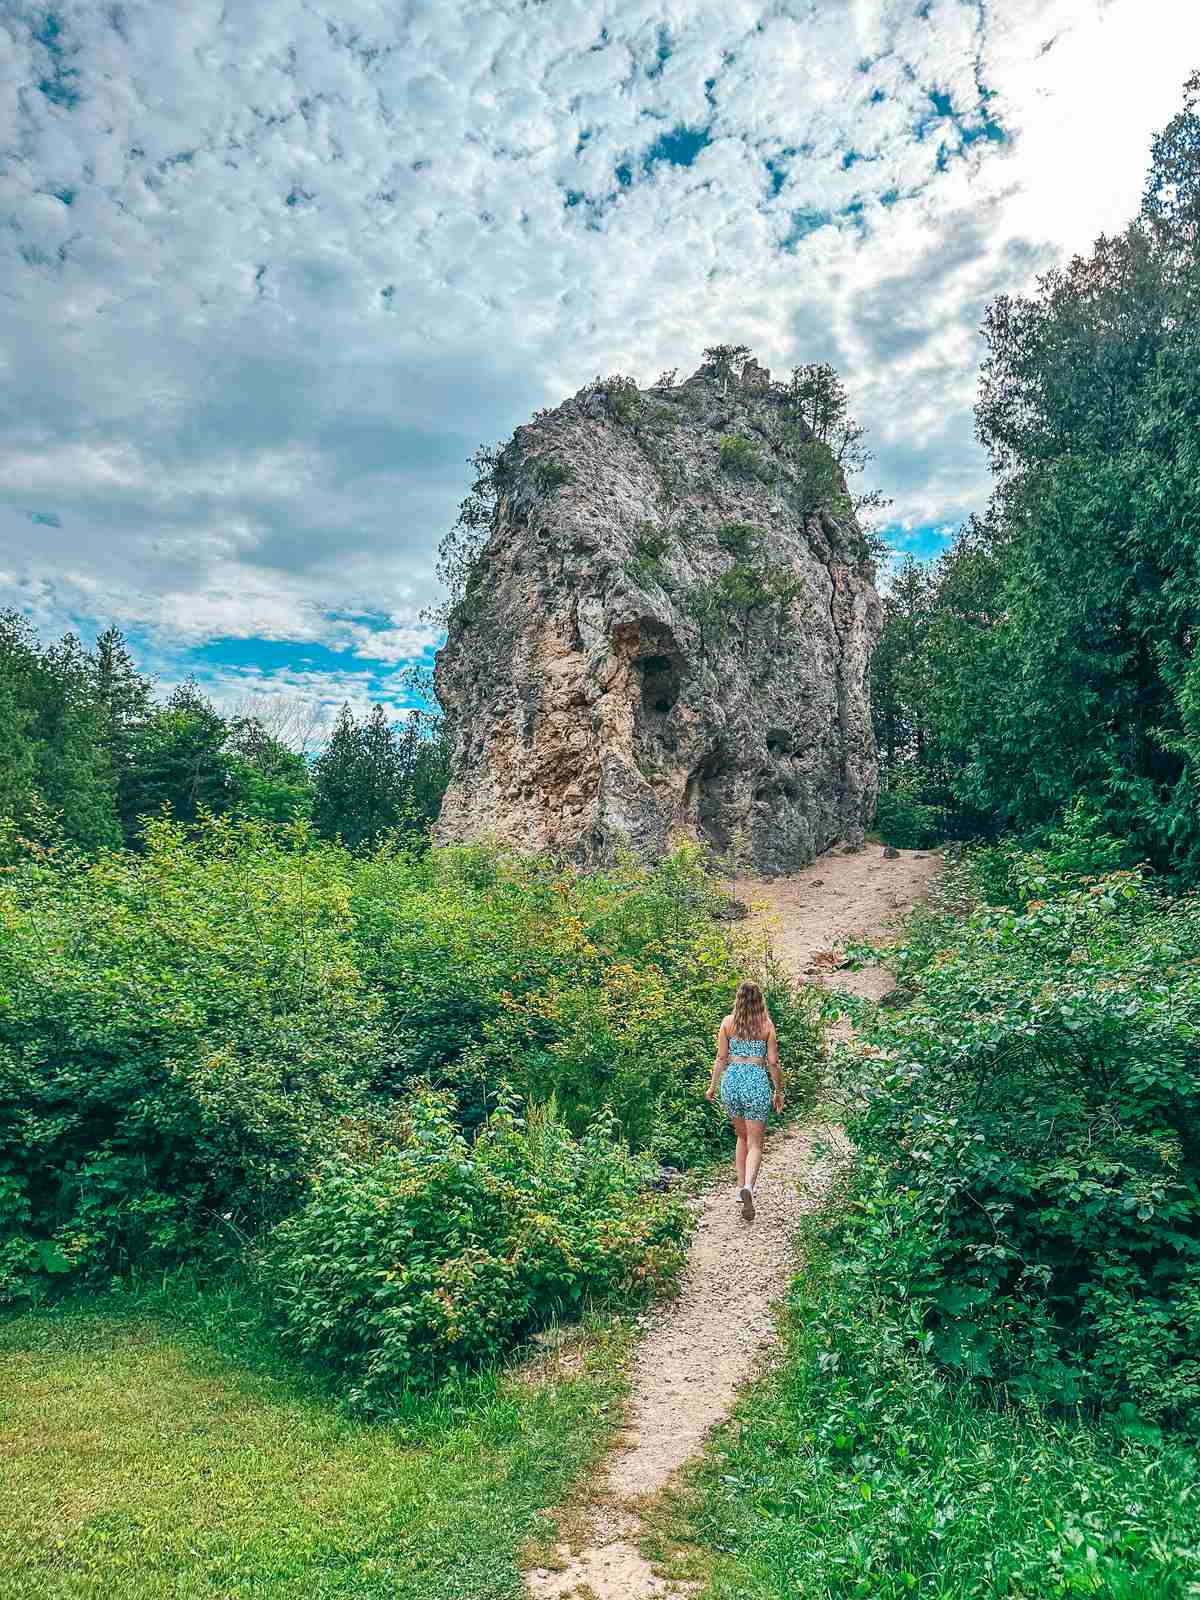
667 633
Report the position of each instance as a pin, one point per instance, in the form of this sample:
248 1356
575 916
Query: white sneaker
746 1196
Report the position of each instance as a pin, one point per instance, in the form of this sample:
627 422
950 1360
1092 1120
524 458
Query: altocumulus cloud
271 272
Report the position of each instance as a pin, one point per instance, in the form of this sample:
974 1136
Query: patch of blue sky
680 147
924 543
805 221
662 54
942 103
980 124
292 660
59 89
989 128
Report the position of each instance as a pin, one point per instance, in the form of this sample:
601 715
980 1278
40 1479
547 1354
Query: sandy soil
701 1347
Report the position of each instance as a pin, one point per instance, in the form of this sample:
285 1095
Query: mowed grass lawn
141 1455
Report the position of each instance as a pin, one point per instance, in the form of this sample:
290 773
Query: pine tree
123 702
373 778
179 761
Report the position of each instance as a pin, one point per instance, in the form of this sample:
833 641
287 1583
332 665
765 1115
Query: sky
272 271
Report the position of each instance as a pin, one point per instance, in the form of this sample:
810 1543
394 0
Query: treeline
1049 656
89 754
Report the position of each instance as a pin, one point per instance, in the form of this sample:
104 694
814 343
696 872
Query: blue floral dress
745 1085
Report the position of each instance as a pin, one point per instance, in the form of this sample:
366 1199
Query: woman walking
746 1072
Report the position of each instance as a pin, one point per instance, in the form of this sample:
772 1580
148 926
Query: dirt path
701 1346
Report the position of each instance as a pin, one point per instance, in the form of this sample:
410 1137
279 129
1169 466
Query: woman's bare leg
739 1127
753 1148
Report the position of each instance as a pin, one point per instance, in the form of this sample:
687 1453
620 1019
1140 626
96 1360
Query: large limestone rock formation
665 635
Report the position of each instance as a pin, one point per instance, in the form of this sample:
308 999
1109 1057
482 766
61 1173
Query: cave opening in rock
660 683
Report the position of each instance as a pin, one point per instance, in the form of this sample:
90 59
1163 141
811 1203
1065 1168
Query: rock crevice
665 637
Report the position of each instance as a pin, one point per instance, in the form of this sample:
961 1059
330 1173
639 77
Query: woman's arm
720 1063
773 1068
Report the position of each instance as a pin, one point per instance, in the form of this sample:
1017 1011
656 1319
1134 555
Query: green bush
650 546
740 456
820 480
179 1032
1029 1138
904 818
1066 854
435 1255
603 989
739 538
553 474
743 589
623 398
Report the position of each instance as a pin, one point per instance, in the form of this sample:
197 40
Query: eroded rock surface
664 636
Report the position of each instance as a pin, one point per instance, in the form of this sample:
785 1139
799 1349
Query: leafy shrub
179 1032
742 589
904 818
740 456
650 545
819 478
553 474
738 538
598 989
622 397
1029 1131
1068 854
432 1255
184 1034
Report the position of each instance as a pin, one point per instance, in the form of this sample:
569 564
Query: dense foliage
1051 652
1029 1133
431 1253
188 1033
179 1031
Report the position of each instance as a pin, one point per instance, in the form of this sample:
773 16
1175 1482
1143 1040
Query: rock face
665 635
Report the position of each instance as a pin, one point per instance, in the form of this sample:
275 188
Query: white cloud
272 273
300 705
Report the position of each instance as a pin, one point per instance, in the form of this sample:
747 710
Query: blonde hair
750 1017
